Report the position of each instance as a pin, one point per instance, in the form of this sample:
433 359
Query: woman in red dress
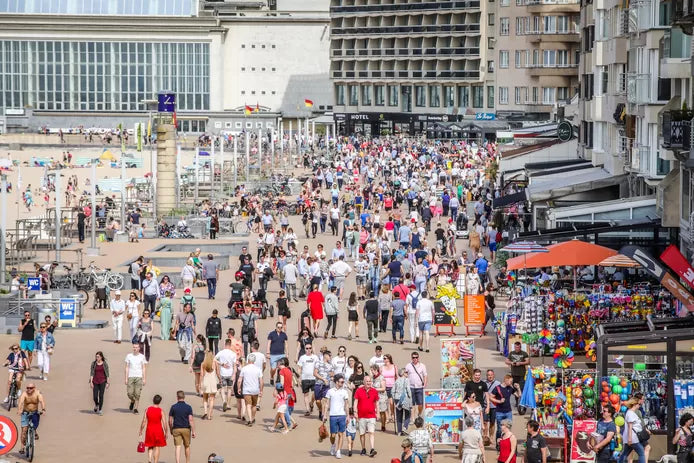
156 430
507 444
315 301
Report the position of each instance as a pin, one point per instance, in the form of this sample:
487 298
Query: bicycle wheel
30 443
81 280
83 295
12 396
114 281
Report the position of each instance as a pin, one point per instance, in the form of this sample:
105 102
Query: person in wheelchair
238 291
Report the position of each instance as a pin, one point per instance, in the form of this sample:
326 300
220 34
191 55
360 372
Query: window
273 46
535 95
243 92
563 24
503 95
604 80
477 96
262 69
550 24
490 19
519 63
243 69
392 95
517 95
238 124
520 2
340 95
503 59
549 58
448 96
490 66
463 97
504 2
503 26
379 95
520 26
537 21
491 41
274 69
420 96
549 95
353 95
490 96
562 58
434 96
536 57
253 92
563 93
366 95
243 45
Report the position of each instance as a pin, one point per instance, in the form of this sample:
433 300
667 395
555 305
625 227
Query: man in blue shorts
336 402
28 330
276 348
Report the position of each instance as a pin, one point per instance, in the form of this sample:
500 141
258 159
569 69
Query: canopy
572 253
619 260
107 156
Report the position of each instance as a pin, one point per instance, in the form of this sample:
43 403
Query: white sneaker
332 449
338 454
7 399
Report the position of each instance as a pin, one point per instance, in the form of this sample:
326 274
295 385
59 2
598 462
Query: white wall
303 5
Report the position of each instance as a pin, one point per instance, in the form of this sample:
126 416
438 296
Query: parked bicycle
95 275
72 280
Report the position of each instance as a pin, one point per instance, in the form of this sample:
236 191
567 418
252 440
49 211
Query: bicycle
13 396
88 280
30 444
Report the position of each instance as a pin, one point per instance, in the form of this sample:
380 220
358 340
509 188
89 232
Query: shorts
33 417
361 280
135 283
250 399
227 381
320 390
424 326
339 282
417 396
237 386
307 385
181 436
338 424
282 409
389 392
353 316
492 247
351 435
274 359
367 425
27 345
491 416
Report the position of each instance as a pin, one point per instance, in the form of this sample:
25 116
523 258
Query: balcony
407 75
683 15
677 128
566 70
545 6
352 10
555 36
405 53
442 29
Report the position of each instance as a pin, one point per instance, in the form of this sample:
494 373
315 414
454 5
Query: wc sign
67 315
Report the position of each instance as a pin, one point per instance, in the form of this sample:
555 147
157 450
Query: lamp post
3 227
149 104
93 250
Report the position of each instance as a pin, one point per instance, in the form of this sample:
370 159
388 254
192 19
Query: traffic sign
8 435
34 284
565 131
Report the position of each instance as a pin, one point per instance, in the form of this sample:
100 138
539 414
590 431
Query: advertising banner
443 411
676 261
474 310
457 362
580 441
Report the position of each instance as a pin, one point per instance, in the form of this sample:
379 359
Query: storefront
372 124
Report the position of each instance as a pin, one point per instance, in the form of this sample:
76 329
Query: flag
149 128
248 110
122 137
139 137
257 108
175 123
308 103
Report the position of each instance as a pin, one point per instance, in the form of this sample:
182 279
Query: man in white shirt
307 364
378 359
337 402
361 266
340 270
225 362
291 276
425 318
251 378
135 376
117 310
411 307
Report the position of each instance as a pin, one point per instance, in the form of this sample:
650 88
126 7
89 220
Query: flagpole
281 135
197 167
272 150
236 162
248 157
221 166
289 141
260 151
298 136
212 169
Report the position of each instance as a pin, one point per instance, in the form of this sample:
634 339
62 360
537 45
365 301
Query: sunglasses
29 388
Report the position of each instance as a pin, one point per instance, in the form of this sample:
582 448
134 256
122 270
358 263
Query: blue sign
68 312
34 284
485 116
167 102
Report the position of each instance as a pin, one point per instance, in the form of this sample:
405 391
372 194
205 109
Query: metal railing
16 306
406 7
677 129
461 28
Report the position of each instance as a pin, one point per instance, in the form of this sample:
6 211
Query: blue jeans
399 326
636 447
211 287
500 416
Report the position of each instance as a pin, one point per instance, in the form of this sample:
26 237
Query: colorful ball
614 380
617 389
624 396
614 398
588 393
619 421
623 409
578 392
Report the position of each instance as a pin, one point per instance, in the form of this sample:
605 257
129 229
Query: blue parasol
528 397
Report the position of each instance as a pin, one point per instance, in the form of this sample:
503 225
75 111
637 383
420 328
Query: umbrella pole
575 280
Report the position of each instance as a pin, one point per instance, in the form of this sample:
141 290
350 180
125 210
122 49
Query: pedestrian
249 327
315 302
307 364
417 374
384 300
501 397
379 383
291 277
471 447
366 402
210 272
188 274
336 404
197 358
683 437
209 385
44 344
536 446
630 435
280 404
352 316
518 360
490 420
155 430
81 218
425 318
411 313
132 313
473 409
401 395
607 430
397 316
277 348
182 426
226 360
507 443
285 377
145 328
150 290
489 306
421 440
283 312
165 316
184 330
135 376
135 273
251 378
99 380
214 226
371 315
213 331
331 310
28 329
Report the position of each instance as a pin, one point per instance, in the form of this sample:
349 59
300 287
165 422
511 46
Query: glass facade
102 7
102 76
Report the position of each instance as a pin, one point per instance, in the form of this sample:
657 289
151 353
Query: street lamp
149 104
3 226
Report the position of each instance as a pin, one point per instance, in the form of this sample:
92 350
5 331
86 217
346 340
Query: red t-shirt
388 202
403 290
286 373
315 300
366 405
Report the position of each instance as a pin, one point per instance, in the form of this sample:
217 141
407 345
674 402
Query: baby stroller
259 306
461 224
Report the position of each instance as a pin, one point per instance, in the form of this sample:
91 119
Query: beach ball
589 402
624 396
589 381
614 380
614 398
578 392
623 409
623 382
578 411
617 389
619 421
578 402
588 393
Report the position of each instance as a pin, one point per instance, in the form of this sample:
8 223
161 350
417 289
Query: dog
668 459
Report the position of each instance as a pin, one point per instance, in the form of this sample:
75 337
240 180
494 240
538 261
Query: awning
557 186
509 199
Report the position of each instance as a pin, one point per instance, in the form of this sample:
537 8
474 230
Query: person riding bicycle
16 362
30 402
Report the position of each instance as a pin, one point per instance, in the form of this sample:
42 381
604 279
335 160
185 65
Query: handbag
141 447
643 436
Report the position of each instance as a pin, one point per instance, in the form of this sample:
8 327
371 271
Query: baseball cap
187 290
118 292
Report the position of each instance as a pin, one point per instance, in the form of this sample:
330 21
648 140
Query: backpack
415 299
